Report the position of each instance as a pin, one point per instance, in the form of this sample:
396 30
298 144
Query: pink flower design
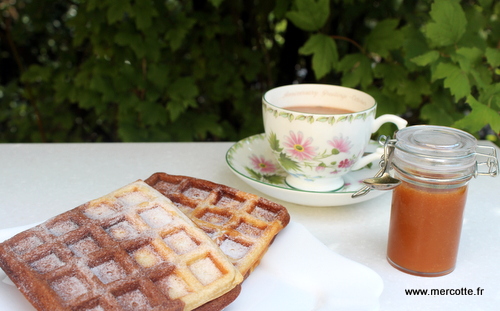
299 147
340 143
346 163
261 164
321 167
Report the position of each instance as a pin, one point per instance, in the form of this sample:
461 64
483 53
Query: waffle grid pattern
130 250
242 224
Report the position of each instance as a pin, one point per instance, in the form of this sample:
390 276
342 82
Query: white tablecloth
38 181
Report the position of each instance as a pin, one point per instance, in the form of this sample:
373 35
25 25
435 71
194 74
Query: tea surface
319 109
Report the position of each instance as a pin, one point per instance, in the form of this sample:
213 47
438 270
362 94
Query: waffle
129 250
242 224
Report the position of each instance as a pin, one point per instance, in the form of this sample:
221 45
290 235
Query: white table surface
38 181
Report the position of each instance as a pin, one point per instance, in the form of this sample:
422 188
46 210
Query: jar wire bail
491 162
384 164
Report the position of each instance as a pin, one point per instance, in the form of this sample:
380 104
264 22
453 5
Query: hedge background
107 70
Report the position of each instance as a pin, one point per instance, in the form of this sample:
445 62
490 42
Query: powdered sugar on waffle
129 250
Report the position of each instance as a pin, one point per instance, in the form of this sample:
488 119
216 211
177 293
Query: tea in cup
318 132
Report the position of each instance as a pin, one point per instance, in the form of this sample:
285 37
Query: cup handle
377 155
385 118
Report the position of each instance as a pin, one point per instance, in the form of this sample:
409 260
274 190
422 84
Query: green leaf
88 99
287 163
437 113
128 129
182 93
356 69
481 77
413 90
176 35
175 109
274 143
310 15
36 73
300 118
117 10
387 101
159 75
98 83
426 58
202 124
216 3
275 179
455 79
62 89
324 51
343 119
467 57
384 37
125 79
491 96
480 116
152 113
94 4
414 44
132 40
478 25
448 25
493 57
253 173
144 13
393 75
151 47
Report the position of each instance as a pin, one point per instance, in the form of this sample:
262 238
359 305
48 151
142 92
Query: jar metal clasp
491 162
381 180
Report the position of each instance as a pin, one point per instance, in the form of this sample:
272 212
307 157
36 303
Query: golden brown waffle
129 250
242 224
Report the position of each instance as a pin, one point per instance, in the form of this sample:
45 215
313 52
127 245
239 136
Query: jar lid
428 150
436 141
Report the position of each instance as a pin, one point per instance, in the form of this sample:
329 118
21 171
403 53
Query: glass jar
435 165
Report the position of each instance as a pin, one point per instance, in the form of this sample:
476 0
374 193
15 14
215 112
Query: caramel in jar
425 226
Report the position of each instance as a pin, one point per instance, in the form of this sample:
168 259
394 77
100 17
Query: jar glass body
434 165
425 226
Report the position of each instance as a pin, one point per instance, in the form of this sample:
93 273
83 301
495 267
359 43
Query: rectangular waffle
129 250
242 224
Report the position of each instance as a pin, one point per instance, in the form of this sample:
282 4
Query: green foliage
324 53
310 15
440 68
106 70
448 23
133 70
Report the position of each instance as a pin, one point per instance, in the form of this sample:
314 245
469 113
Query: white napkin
298 273
307 275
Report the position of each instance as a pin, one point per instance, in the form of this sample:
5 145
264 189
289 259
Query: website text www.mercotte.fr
463 291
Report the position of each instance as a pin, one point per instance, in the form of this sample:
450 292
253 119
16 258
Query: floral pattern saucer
252 160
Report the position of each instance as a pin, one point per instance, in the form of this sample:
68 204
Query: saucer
251 160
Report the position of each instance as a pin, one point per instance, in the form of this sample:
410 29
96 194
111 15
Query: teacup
318 133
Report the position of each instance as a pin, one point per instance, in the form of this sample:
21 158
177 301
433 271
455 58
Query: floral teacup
318 132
